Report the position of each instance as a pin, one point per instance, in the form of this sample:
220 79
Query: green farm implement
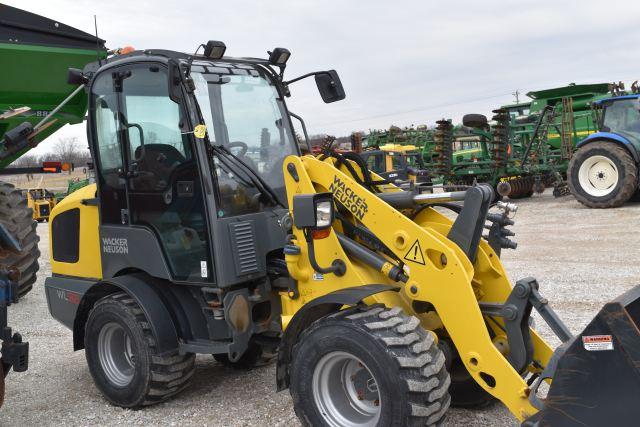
35 101
525 148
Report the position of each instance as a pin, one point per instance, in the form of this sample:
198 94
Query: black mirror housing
75 77
330 86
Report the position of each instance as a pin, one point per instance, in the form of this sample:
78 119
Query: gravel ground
582 258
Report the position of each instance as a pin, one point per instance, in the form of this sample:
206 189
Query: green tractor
33 105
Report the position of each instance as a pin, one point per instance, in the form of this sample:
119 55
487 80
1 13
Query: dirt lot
581 258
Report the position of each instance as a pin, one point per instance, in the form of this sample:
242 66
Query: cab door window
163 182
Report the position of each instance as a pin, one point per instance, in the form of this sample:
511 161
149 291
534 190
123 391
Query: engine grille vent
244 246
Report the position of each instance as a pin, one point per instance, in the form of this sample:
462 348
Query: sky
400 62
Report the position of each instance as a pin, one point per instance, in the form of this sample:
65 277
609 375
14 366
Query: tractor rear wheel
120 348
18 220
369 366
602 175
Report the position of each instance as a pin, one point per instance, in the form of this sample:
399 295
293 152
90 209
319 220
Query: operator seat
155 165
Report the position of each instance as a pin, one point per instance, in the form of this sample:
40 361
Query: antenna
95 24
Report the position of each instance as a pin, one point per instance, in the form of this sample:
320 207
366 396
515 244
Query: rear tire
121 353
369 366
602 175
18 220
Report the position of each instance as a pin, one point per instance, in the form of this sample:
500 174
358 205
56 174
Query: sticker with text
597 342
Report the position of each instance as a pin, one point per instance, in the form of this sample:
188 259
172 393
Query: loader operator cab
192 151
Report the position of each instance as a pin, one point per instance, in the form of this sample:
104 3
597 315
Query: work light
214 49
313 211
279 56
324 213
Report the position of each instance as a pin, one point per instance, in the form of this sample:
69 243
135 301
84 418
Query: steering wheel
243 147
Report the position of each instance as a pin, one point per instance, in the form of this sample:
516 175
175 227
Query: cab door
157 186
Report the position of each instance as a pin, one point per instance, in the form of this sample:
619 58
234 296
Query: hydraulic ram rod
408 199
372 259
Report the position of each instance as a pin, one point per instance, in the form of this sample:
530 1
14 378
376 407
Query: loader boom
440 273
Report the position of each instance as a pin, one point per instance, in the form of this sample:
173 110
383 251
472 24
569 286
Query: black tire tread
170 374
630 180
420 364
18 219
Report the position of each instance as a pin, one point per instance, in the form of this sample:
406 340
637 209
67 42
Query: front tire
369 366
121 353
602 175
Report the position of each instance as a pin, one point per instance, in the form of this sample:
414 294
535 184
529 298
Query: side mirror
330 86
474 120
75 77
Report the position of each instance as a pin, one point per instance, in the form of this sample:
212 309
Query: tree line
66 150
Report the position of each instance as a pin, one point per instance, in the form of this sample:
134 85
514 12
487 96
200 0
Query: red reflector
321 234
73 298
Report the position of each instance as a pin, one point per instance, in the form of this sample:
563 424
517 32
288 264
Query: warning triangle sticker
414 254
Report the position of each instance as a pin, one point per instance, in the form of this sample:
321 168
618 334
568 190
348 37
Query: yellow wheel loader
41 201
208 232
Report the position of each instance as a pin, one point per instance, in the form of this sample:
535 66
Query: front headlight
324 213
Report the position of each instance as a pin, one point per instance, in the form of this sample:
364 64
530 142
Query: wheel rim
345 391
598 176
116 354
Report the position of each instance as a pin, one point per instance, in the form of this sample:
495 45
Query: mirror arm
304 76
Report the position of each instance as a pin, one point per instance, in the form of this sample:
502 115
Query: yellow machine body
41 202
439 273
88 264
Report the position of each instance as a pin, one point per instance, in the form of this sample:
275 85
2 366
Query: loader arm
439 273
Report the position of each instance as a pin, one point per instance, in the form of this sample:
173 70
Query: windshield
623 117
244 113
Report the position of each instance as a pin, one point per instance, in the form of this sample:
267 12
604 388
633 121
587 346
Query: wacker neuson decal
115 245
348 198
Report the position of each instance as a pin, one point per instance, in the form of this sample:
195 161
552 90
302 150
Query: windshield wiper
256 179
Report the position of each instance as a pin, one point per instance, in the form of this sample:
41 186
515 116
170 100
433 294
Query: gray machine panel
242 243
63 297
127 246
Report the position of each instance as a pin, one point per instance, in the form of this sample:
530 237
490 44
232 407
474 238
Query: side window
375 163
153 123
109 162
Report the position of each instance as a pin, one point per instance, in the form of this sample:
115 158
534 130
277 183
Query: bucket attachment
596 375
